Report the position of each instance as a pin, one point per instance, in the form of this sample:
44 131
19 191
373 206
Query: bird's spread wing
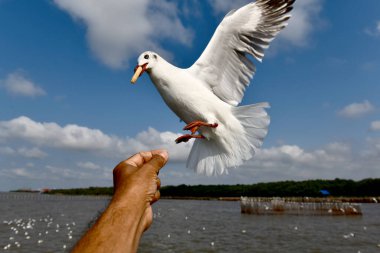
224 65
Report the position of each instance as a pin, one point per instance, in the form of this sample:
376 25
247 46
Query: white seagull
206 95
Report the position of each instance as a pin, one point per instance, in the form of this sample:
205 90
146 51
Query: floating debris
168 235
212 244
188 231
349 235
40 241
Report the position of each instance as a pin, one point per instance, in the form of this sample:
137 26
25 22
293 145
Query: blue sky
68 113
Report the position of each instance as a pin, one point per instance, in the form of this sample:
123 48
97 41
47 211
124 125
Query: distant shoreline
375 199
363 191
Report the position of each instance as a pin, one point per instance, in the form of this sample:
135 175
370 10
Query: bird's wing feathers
224 65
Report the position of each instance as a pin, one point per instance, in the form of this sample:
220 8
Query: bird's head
145 62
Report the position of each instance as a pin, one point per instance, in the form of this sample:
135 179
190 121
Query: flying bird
206 95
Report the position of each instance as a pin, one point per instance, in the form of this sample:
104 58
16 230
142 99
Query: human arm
129 214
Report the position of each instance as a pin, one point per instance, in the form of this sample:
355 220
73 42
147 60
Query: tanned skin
129 214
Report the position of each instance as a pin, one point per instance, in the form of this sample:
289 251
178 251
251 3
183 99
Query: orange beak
139 70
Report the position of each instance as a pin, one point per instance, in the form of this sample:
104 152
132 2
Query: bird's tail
215 156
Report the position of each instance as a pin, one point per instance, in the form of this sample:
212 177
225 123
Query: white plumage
208 92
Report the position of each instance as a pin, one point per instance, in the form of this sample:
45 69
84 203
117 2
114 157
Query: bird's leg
194 126
187 137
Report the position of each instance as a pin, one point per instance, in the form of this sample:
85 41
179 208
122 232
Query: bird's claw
193 126
187 137
183 138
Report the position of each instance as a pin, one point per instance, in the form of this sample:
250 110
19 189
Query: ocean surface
44 223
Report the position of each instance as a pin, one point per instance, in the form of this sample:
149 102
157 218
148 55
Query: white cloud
356 110
375 125
24 152
74 137
93 165
331 161
17 84
118 30
52 135
88 165
305 19
375 31
31 152
21 172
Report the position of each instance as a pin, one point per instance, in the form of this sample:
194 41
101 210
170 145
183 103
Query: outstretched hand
129 214
136 182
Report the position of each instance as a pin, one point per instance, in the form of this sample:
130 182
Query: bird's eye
146 56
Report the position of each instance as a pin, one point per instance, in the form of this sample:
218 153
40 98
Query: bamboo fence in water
272 206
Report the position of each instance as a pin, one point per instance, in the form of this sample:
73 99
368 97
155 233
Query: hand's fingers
156 197
156 163
161 152
134 162
139 159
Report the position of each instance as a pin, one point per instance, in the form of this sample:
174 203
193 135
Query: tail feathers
212 157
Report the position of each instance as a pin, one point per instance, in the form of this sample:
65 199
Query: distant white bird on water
205 96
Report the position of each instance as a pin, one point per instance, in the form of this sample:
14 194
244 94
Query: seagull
206 95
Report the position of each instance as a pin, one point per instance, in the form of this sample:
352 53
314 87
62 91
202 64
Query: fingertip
161 152
157 162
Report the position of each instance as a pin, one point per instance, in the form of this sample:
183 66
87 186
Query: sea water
45 223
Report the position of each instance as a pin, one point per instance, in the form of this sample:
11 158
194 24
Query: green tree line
310 188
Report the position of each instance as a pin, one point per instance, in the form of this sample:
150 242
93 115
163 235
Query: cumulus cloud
375 125
52 135
21 172
80 138
293 155
25 137
17 84
88 165
356 110
374 31
24 152
337 159
305 18
118 30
